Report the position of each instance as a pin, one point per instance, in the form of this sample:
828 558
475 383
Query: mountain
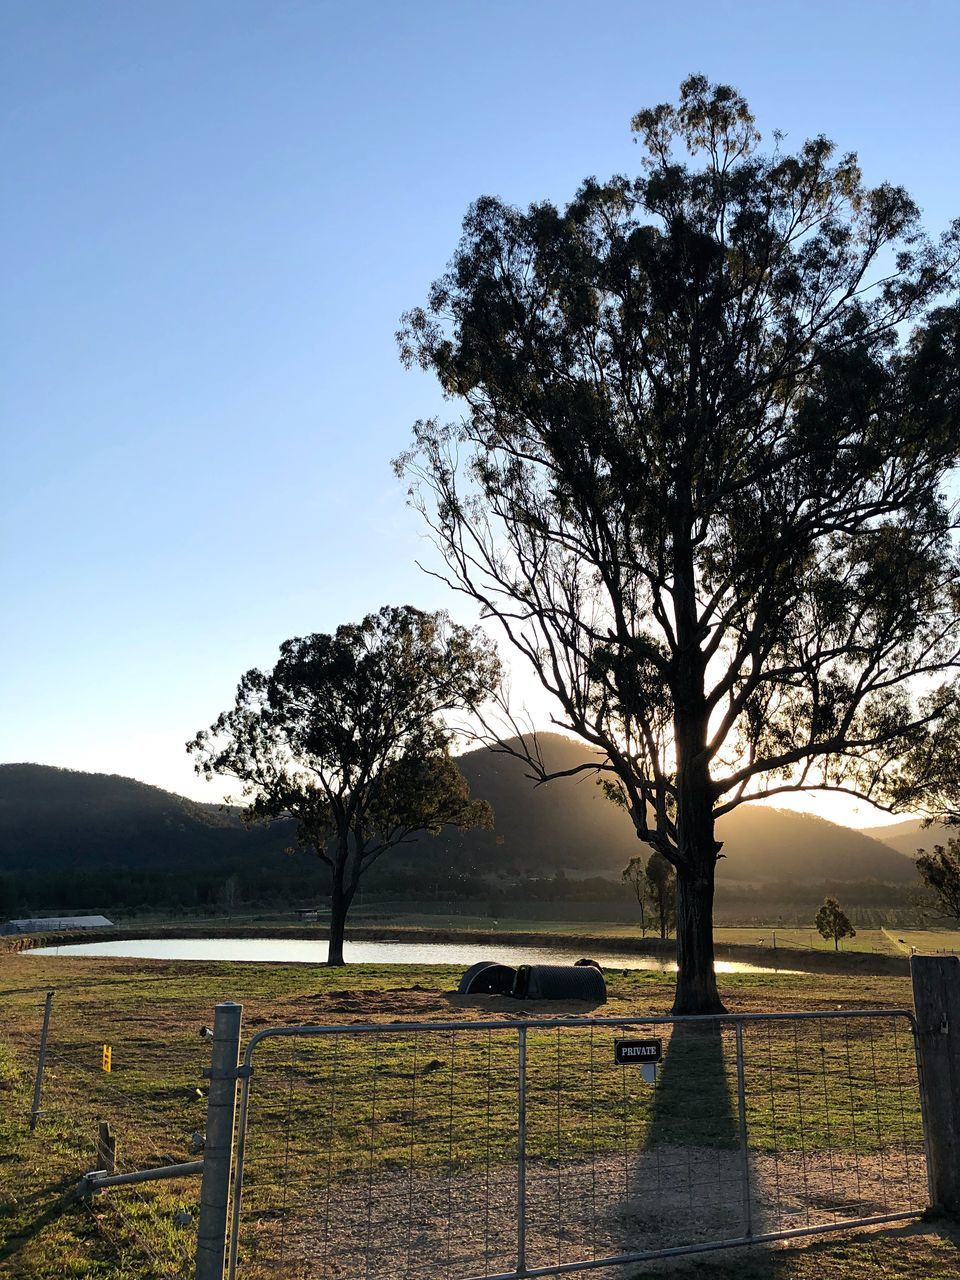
60 817
72 841
569 824
68 839
766 844
909 836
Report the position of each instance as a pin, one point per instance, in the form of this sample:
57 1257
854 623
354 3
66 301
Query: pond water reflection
305 951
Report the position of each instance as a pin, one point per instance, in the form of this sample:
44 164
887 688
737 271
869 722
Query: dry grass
927 941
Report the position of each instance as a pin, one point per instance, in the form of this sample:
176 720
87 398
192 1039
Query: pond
303 951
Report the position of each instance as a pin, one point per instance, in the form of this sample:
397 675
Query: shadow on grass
493 1003
694 1098
685 1184
692 1184
63 1200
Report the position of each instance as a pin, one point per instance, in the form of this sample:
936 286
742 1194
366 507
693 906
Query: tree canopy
699 478
832 922
940 871
349 734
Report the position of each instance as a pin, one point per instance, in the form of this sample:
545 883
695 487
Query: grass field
891 940
926 940
150 1013
769 937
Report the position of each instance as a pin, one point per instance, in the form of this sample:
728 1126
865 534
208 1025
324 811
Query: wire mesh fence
117 1066
493 1149
506 1148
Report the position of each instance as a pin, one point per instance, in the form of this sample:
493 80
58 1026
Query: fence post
522 1151
742 1122
218 1150
936 996
106 1148
41 1060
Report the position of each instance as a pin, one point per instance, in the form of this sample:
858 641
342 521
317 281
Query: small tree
655 887
662 890
346 735
832 922
634 874
940 871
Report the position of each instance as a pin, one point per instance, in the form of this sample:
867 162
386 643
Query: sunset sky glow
216 214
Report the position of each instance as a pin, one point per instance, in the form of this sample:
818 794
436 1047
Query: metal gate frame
520 1027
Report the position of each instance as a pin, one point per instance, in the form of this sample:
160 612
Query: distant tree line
281 883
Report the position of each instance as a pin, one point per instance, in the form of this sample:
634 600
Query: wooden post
936 996
106 1148
41 1061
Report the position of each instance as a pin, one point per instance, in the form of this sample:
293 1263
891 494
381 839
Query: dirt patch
416 1226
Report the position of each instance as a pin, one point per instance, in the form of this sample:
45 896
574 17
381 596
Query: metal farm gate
496 1150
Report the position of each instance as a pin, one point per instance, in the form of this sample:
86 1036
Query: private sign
642 1051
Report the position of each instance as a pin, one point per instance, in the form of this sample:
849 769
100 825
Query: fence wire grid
152 1100
523 1148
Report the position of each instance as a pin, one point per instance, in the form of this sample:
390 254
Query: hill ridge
51 816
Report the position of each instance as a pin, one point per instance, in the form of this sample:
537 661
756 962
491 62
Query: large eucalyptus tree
709 416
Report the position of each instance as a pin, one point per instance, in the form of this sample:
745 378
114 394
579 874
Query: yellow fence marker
107 1057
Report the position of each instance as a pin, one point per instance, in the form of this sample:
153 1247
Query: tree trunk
338 922
341 895
697 847
696 872
696 978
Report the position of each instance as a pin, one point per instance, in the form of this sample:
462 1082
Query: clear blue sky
215 212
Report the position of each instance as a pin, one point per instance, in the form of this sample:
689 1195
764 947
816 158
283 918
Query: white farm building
56 924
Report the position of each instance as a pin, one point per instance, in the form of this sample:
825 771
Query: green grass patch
867 941
926 941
